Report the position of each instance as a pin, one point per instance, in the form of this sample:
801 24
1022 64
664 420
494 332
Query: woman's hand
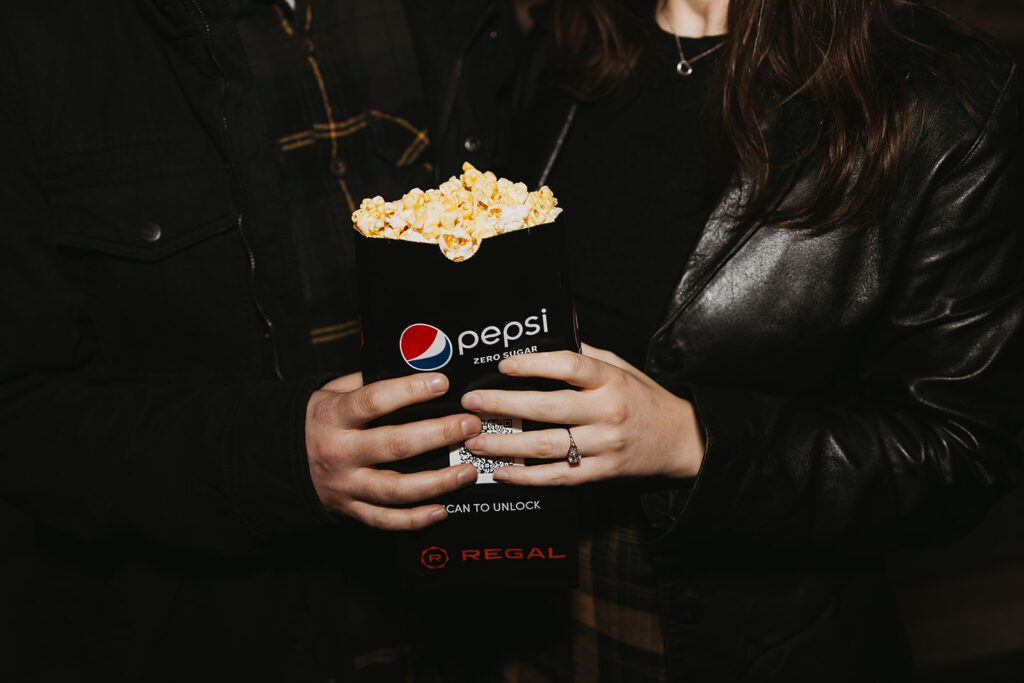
624 423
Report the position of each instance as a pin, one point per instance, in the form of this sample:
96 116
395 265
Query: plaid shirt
613 628
343 104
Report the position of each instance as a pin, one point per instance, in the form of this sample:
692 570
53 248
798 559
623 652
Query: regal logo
434 557
493 554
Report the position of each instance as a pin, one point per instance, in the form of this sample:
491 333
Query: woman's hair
821 60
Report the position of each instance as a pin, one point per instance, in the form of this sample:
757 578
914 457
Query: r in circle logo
434 557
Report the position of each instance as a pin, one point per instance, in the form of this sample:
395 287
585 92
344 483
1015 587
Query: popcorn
459 214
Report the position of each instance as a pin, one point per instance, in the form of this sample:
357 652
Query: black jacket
858 387
154 362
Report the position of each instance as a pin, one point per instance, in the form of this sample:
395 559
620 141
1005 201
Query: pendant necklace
685 66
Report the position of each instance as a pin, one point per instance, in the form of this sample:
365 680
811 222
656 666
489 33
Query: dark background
963 604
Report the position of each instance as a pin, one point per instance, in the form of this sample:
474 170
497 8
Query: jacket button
338 168
472 144
151 232
308 46
689 610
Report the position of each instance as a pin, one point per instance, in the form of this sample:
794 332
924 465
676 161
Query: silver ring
573 456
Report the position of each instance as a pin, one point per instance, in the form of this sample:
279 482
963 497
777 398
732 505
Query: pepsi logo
425 347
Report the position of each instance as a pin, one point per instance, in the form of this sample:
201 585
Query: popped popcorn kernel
459 214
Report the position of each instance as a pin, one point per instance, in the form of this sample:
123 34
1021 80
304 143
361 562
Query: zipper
449 107
559 143
226 129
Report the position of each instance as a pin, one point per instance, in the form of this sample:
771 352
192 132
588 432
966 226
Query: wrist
688 439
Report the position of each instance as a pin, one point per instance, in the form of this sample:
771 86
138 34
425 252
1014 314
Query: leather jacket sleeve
218 467
926 440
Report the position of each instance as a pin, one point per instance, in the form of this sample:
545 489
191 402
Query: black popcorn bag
422 312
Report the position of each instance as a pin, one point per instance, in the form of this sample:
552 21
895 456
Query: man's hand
343 455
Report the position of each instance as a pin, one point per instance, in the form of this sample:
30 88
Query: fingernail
438 514
471 401
466 476
474 444
498 475
509 365
470 426
438 384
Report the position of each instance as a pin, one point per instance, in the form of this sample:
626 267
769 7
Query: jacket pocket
146 217
159 277
396 139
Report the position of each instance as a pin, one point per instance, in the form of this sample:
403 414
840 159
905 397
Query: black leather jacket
858 388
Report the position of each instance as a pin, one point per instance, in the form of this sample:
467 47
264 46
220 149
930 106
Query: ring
573 456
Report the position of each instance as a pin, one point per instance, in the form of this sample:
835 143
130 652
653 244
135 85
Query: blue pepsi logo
425 347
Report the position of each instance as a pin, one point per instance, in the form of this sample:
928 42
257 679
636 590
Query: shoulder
958 82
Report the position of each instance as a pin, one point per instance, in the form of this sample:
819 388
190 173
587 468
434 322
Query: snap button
308 46
472 144
338 168
151 232
493 34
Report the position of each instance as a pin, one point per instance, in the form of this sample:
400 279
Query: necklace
685 66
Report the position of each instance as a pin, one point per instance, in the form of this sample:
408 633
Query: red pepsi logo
425 347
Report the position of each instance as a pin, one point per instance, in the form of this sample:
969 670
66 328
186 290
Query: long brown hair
822 58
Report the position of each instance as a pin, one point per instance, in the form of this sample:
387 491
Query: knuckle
577 364
396 444
379 520
616 413
391 494
443 485
368 400
414 388
560 479
448 431
616 440
414 521
545 445
322 412
318 446
548 404
357 514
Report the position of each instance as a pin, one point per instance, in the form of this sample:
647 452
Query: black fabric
156 359
858 387
645 152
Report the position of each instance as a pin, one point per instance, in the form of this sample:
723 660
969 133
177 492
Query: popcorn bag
453 280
